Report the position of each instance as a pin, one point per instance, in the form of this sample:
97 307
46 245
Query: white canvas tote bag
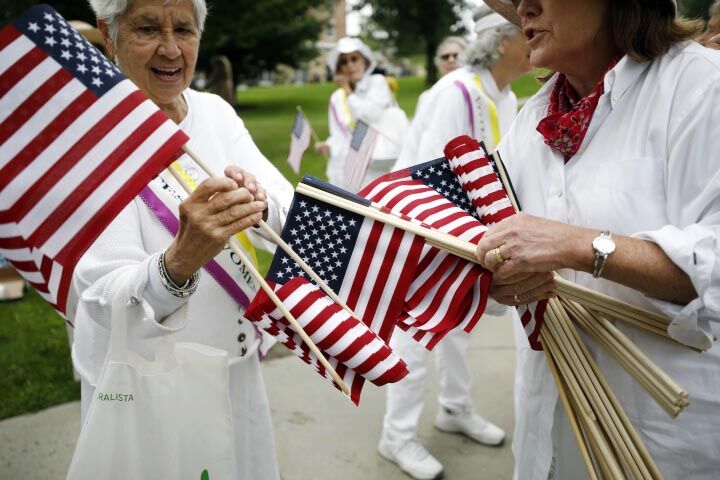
168 418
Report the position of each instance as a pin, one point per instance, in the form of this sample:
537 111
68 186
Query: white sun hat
508 10
349 45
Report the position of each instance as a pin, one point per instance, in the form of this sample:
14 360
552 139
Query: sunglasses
349 59
448 56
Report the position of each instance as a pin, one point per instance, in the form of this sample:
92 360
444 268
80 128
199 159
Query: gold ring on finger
498 257
517 299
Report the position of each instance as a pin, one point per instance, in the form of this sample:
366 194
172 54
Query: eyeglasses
447 56
348 59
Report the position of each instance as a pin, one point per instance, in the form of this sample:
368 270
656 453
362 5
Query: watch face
604 245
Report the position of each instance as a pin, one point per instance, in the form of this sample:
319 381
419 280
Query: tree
414 26
258 35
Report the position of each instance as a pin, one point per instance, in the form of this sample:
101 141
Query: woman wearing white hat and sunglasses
361 95
615 163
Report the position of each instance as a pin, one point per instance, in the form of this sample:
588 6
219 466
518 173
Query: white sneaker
469 424
412 457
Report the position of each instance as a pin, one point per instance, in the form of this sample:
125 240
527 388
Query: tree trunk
430 48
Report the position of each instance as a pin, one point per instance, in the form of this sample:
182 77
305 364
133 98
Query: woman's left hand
523 250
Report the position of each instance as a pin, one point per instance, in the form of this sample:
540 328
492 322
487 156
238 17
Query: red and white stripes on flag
77 142
342 338
492 204
299 140
447 292
359 155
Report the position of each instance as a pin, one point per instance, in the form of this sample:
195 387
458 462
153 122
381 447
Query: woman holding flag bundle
614 164
361 95
165 237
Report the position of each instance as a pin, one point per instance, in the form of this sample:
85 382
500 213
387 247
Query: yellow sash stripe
346 108
494 121
241 236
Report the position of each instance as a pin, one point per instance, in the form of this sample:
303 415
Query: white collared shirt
649 167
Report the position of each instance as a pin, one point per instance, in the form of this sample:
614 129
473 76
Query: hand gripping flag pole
235 247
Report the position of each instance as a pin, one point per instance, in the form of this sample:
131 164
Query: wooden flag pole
316 139
236 248
281 243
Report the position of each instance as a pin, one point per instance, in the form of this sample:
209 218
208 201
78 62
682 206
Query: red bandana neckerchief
569 116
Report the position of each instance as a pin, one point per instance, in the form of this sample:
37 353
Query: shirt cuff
162 303
695 250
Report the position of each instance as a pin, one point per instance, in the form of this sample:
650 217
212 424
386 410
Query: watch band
600 258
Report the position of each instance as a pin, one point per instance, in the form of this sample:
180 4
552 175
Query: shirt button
134 301
241 337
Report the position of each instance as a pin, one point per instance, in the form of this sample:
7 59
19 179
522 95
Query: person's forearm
637 264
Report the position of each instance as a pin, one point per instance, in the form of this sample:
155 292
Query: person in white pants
473 100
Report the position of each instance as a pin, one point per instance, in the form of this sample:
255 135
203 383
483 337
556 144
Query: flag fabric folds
77 142
343 337
359 155
447 292
299 140
491 203
368 264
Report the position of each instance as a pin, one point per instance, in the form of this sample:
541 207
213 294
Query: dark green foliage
417 26
695 8
257 36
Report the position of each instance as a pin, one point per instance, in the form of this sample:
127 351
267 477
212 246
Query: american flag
359 155
77 142
299 140
347 340
491 203
368 264
447 292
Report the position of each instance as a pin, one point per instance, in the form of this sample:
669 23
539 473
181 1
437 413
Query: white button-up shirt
648 167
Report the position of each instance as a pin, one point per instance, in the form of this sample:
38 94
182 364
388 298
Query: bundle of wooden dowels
610 446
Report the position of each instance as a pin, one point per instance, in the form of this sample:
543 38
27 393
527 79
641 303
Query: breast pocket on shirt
627 195
632 175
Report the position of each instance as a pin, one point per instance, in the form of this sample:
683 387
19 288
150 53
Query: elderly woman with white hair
157 246
615 164
473 100
361 95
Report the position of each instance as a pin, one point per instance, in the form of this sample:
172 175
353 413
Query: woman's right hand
213 213
322 148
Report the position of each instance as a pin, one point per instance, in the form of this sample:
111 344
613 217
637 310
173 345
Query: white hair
484 51
110 12
715 8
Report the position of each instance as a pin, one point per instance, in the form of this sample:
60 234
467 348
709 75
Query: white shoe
412 457
469 424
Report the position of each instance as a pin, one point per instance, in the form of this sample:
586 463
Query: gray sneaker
412 457
470 424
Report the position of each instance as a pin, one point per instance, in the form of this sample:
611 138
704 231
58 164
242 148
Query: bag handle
118 327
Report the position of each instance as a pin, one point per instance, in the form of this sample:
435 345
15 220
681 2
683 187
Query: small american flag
77 142
299 140
447 292
491 203
368 264
359 155
345 339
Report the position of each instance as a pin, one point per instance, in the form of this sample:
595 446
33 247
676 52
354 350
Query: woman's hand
219 208
343 82
522 252
713 42
322 148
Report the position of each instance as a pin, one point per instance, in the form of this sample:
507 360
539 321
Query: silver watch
603 245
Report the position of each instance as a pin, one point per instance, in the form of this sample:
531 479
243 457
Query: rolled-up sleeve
692 240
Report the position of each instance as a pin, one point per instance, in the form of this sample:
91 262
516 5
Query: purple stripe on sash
468 101
171 223
337 118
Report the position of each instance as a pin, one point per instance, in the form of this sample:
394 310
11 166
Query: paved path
320 435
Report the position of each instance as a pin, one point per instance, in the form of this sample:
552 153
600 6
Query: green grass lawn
35 368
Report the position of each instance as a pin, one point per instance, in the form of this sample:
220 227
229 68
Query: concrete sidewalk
319 434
